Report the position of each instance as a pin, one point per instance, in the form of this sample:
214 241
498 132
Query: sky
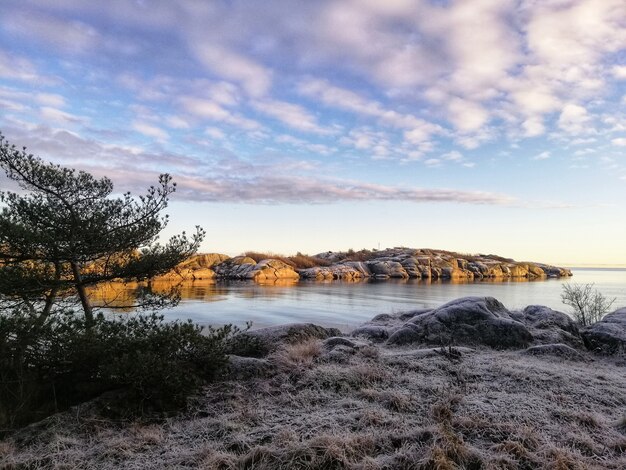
478 126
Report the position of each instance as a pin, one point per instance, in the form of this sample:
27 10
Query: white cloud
619 72
69 36
56 115
292 115
255 78
542 156
417 130
150 131
50 99
454 156
574 119
533 127
620 142
177 122
467 116
213 111
215 133
13 67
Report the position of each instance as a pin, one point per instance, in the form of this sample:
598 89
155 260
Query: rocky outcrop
395 263
242 267
198 267
550 326
469 321
405 263
608 336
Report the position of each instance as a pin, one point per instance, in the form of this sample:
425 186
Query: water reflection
345 304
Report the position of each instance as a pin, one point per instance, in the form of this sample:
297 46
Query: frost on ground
356 405
381 400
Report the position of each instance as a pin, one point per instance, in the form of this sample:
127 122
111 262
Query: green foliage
65 232
589 305
155 365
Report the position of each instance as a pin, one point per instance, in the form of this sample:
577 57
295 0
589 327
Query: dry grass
375 411
299 354
298 261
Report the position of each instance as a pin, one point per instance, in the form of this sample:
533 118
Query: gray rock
469 320
339 354
422 353
265 340
608 336
335 341
248 367
383 269
373 332
559 350
550 326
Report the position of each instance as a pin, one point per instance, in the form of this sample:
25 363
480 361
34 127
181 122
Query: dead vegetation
297 261
371 411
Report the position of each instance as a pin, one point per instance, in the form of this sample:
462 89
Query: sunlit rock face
409 263
393 263
246 268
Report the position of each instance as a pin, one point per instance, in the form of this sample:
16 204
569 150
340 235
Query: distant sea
345 305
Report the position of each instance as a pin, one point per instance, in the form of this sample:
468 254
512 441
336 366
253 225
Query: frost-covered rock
468 320
559 350
608 336
550 326
264 340
248 367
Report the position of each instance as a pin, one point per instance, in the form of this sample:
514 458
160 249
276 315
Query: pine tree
64 232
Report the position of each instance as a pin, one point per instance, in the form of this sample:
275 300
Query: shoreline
529 396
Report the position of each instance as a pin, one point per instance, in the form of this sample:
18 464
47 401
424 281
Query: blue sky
478 125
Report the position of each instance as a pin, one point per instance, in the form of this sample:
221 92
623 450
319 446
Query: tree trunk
82 294
51 297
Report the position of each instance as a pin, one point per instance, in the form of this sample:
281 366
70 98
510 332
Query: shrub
588 303
155 364
297 261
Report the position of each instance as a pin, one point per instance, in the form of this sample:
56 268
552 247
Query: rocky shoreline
469 384
392 263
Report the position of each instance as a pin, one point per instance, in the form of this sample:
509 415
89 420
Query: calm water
345 305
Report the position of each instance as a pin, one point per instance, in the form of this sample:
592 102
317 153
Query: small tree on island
65 232
589 304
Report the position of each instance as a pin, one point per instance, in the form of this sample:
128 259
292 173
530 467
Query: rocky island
391 263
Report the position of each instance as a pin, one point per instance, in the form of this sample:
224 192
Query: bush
297 261
588 303
155 364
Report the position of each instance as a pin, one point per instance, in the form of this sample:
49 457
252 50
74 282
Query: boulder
264 340
559 350
206 260
550 326
248 367
243 267
235 268
317 273
411 266
373 332
383 269
269 269
468 320
608 336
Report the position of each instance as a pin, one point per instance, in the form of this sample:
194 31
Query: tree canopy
64 230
